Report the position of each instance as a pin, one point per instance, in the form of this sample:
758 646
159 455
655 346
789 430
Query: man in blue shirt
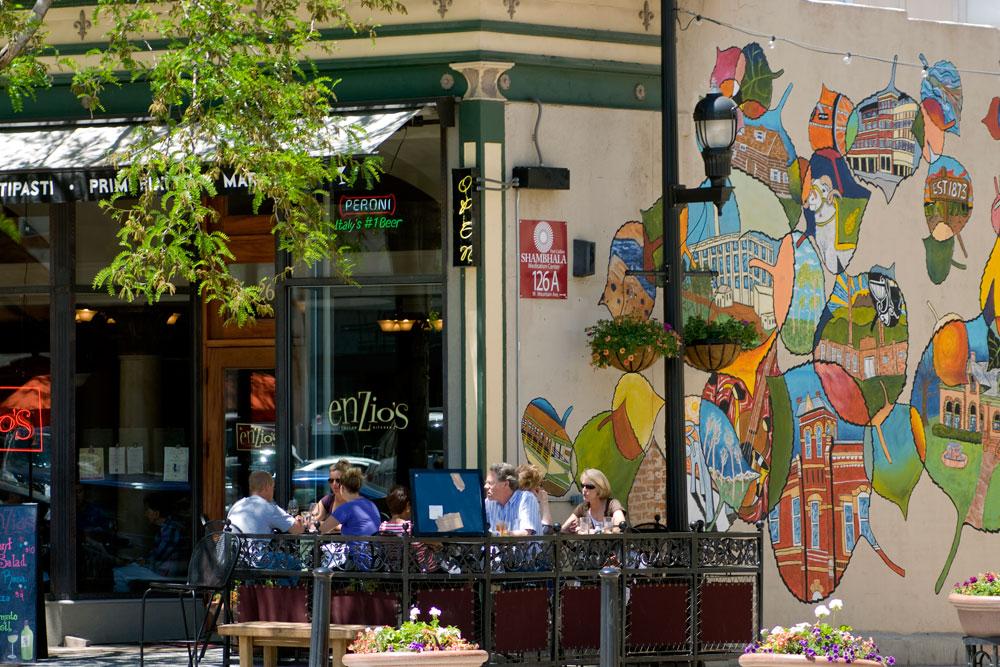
509 510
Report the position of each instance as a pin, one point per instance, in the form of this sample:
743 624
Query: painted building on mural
817 523
974 406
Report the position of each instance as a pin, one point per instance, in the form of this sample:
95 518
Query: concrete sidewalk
160 655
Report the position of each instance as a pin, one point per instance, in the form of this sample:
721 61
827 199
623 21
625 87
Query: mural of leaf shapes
882 147
864 331
609 441
595 447
829 120
834 206
928 130
633 295
547 445
750 415
761 210
764 151
738 290
992 119
948 201
817 519
989 286
781 439
757 84
807 297
634 407
701 493
704 223
892 460
731 473
652 249
730 65
957 397
781 272
943 86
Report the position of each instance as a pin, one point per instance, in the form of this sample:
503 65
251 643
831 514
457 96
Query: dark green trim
481 120
462 366
555 80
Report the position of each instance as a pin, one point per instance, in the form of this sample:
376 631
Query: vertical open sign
465 217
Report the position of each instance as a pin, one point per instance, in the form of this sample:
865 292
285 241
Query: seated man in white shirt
257 513
509 510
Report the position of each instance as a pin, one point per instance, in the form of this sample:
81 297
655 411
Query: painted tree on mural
233 91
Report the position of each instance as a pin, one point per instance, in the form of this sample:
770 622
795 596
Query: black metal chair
210 572
653 526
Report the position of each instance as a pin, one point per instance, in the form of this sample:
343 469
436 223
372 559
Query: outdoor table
271 634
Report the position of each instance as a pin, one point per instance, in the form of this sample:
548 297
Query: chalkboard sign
18 580
447 502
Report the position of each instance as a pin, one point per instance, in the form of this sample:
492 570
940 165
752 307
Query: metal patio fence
682 597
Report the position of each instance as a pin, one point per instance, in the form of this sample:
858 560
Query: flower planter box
641 359
979 615
450 658
786 660
711 356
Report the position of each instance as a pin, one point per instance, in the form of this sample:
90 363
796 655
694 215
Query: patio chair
210 572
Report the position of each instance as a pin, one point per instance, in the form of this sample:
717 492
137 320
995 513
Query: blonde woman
598 508
529 478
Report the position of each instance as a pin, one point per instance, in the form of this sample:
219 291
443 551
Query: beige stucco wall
877 599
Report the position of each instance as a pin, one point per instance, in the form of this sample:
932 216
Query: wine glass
12 638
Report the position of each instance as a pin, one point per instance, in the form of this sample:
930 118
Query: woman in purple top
356 515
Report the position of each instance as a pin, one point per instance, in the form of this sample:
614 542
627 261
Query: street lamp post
715 119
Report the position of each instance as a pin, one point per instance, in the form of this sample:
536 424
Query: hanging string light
848 56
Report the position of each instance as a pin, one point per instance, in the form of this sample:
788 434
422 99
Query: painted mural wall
863 431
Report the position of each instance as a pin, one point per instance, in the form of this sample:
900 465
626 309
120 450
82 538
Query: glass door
239 423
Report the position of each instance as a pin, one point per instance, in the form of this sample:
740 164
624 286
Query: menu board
447 502
18 592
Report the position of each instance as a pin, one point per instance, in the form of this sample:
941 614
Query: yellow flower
631 357
606 352
621 350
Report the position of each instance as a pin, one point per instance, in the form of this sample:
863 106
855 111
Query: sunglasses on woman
333 479
589 487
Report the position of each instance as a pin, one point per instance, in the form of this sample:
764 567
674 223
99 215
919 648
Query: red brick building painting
823 510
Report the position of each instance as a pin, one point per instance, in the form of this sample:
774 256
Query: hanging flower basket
630 343
639 360
712 345
711 356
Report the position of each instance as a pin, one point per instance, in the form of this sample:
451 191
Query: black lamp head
715 120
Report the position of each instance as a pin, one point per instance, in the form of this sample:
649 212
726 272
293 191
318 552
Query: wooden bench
271 634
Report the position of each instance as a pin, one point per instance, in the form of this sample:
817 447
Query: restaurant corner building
461 342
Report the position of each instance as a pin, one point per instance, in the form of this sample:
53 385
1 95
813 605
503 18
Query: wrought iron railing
682 597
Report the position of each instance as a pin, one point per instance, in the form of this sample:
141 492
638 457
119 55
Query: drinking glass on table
608 524
502 528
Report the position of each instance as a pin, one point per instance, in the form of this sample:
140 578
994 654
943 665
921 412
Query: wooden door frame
217 360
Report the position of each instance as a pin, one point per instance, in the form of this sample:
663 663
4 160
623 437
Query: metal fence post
319 640
609 616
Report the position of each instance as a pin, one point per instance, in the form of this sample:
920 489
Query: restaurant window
25 436
133 429
25 258
366 376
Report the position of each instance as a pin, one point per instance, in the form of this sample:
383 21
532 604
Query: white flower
798 627
765 632
822 611
836 604
776 629
414 613
435 612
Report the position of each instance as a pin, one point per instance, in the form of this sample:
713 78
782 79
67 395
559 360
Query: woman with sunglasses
335 498
598 512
